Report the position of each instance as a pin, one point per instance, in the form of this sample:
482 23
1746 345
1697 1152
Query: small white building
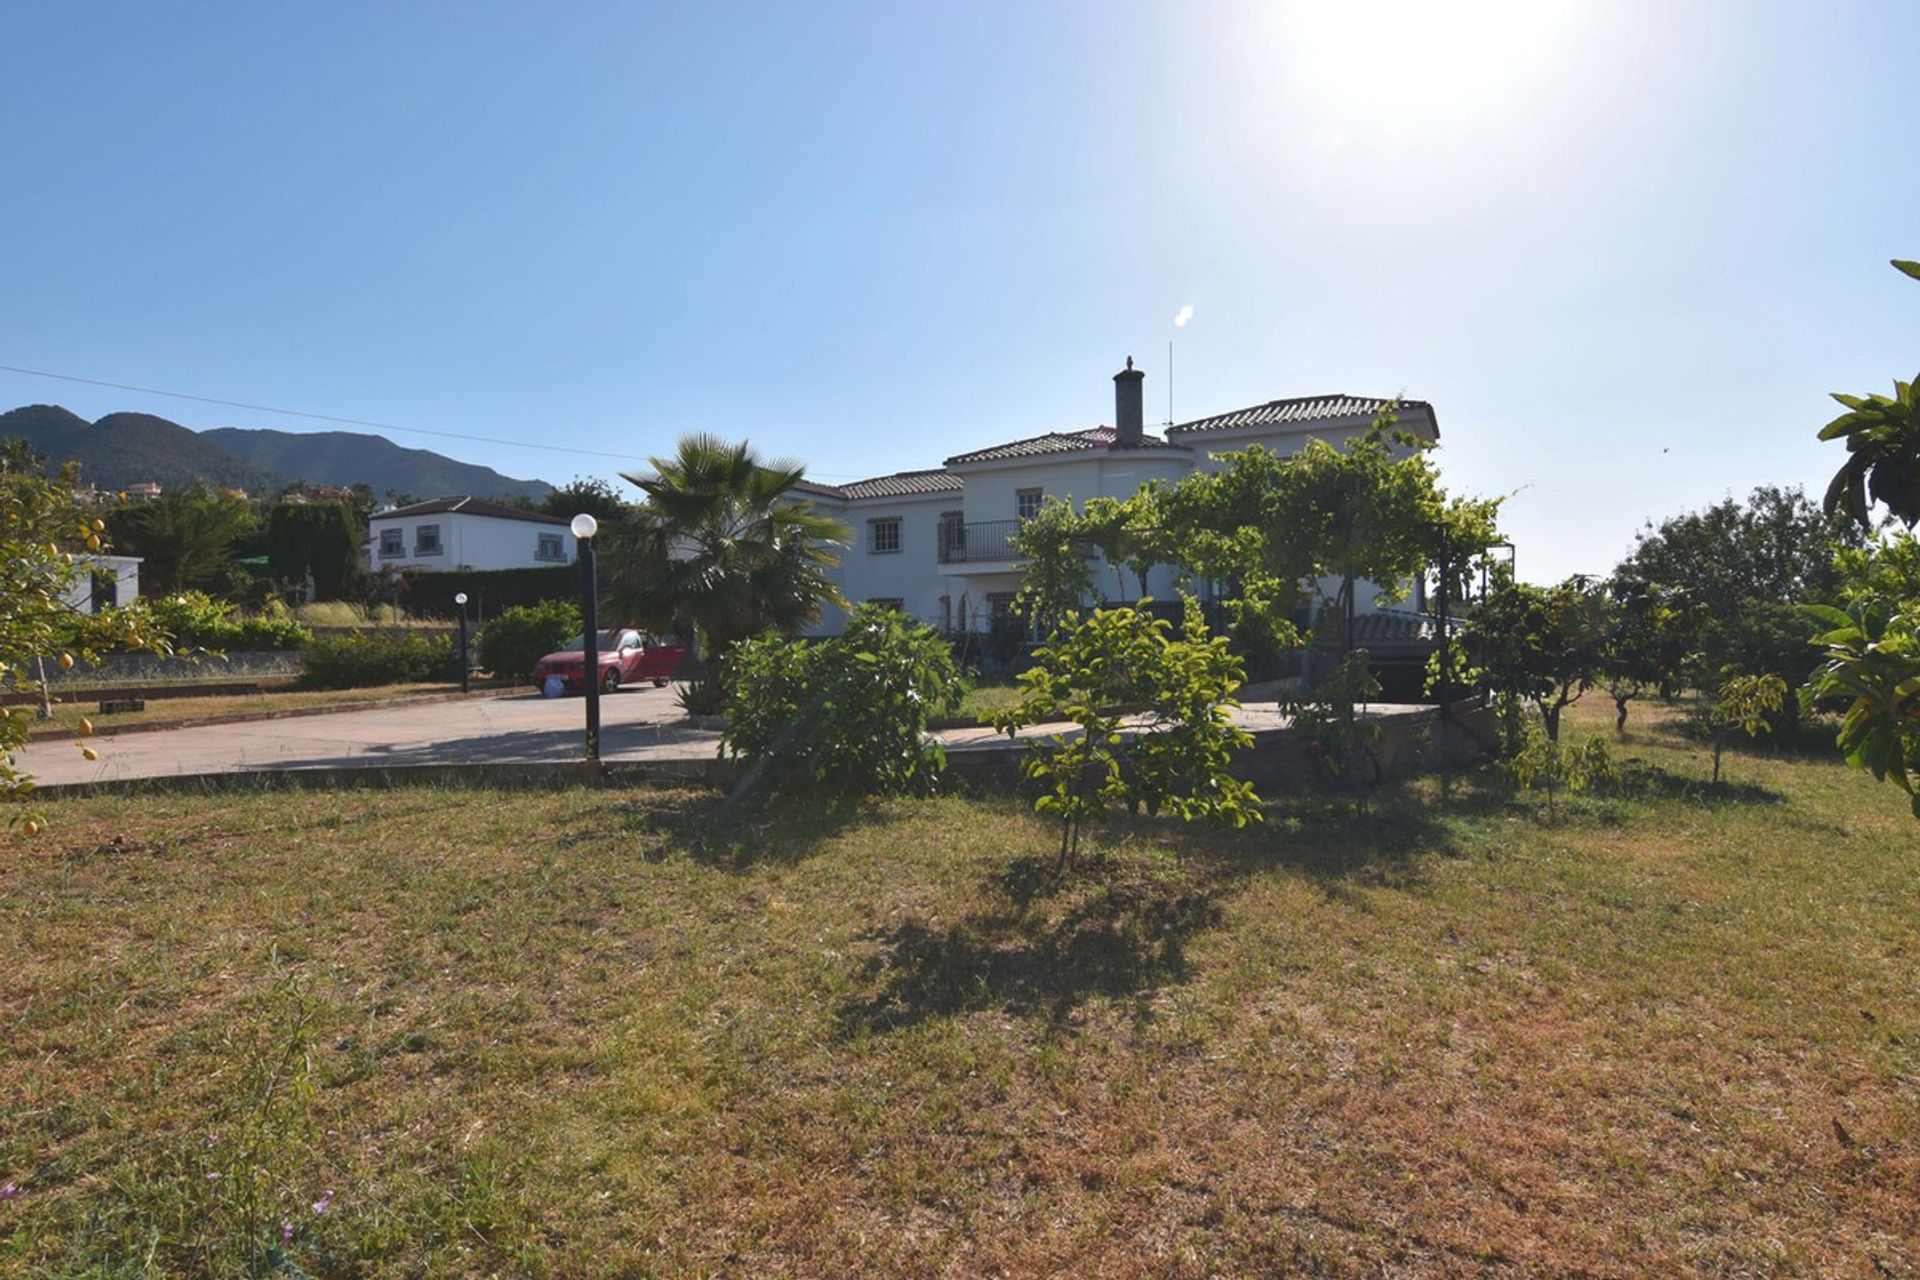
104 582
465 533
937 543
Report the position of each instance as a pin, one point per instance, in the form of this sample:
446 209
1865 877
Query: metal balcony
978 541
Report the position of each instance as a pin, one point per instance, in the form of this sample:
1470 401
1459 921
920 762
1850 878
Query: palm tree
723 543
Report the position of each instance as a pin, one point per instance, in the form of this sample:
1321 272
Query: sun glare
1414 66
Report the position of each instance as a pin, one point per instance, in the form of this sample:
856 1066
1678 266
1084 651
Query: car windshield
608 642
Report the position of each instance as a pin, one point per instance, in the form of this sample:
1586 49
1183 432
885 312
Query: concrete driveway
636 724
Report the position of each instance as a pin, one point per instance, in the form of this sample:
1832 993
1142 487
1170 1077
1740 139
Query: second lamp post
584 527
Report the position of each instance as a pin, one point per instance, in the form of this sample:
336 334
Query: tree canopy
185 540
1747 566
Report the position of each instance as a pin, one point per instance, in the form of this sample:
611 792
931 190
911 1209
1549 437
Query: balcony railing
975 541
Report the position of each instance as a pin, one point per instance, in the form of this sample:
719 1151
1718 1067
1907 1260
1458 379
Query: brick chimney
1129 413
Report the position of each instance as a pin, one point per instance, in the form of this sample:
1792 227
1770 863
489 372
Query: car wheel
610 683
659 684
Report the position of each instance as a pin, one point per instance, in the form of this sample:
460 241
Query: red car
626 657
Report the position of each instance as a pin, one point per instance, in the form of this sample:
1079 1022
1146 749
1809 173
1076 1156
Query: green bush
356 660
194 620
1175 758
846 715
197 620
509 645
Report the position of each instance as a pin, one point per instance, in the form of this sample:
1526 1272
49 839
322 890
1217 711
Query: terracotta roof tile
1059 442
1301 409
902 484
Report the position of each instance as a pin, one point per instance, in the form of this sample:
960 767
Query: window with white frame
883 536
1026 503
426 540
393 543
550 547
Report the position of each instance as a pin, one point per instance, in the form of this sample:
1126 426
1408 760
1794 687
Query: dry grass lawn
594 1033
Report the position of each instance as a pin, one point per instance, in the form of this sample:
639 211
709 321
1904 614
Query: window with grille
393 543
883 536
426 540
1026 503
551 547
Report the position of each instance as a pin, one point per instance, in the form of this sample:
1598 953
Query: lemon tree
46 534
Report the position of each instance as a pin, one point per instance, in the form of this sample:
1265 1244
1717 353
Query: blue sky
1624 248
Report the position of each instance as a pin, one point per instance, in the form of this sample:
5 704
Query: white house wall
469 542
125 571
911 575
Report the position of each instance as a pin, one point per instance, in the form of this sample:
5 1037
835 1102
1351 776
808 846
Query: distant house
938 543
142 491
104 582
465 533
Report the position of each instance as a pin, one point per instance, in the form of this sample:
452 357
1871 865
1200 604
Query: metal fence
978 540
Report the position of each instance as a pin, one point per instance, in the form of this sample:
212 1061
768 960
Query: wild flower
9 1191
324 1203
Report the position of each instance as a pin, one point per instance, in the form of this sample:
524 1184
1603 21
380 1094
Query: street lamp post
466 665
584 527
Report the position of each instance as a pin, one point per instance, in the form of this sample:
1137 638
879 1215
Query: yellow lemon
89 753
66 662
33 828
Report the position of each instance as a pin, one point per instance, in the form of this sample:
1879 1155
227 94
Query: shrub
1173 757
197 620
355 660
1549 762
1328 717
1738 703
510 644
194 620
846 715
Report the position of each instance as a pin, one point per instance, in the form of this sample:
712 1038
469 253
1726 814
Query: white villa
465 533
936 543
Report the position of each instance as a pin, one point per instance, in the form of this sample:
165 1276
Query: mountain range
127 448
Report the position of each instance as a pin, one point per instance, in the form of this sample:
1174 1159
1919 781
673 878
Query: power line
348 422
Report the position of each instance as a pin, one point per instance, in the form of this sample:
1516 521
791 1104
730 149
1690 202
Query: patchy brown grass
593 1033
